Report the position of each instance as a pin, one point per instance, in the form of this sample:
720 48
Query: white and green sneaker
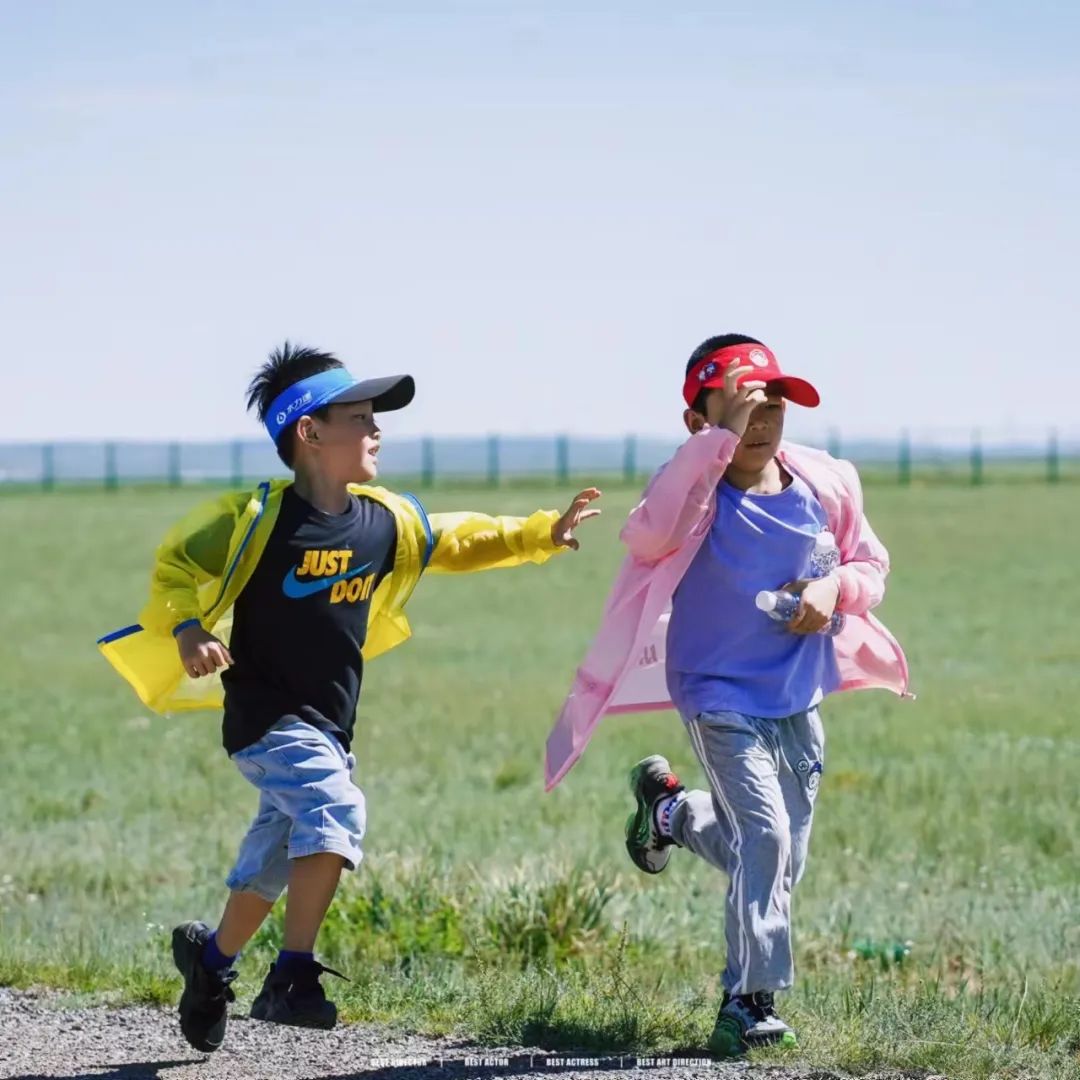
746 1021
651 780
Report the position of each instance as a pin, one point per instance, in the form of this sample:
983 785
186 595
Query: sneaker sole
785 1040
317 1023
728 1041
203 1045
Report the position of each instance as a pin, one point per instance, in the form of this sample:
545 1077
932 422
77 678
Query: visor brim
386 394
797 390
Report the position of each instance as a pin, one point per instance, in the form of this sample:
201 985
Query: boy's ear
305 430
694 421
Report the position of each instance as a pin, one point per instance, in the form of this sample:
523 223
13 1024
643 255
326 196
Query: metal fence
496 459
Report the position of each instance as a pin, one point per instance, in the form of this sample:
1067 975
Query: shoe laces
308 978
218 983
324 970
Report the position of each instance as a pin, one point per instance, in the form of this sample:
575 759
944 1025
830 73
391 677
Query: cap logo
306 395
707 372
289 409
758 358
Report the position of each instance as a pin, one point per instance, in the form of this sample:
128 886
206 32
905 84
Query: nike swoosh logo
297 590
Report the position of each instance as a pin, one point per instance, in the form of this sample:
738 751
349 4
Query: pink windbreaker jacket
624 668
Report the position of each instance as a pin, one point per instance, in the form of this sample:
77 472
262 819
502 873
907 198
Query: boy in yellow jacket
286 592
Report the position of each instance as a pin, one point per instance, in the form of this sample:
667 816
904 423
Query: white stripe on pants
754 825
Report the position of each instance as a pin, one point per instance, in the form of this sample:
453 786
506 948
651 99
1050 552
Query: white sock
662 811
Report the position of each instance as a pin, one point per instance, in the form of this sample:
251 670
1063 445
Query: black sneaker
204 1002
651 779
746 1021
294 996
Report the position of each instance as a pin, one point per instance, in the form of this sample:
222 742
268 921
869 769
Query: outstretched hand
562 532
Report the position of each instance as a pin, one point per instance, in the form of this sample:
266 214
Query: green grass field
489 908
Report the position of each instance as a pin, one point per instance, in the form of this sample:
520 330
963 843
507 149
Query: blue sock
287 959
213 959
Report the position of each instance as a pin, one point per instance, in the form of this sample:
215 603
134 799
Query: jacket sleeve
467 541
192 554
678 495
863 572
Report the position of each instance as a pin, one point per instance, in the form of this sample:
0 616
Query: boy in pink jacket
737 511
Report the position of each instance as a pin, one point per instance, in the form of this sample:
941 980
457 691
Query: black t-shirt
299 623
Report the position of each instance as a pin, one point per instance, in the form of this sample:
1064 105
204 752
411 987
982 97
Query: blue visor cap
336 387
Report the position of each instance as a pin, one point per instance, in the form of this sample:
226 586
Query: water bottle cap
766 600
824 541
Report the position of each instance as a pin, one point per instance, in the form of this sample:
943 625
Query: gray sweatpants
755 826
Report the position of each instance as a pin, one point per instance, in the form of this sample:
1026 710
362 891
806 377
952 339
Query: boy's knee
263 886
770 840
337 827
261 865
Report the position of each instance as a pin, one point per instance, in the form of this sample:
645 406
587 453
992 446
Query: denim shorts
307 804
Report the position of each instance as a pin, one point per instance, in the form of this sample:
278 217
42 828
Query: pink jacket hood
624 668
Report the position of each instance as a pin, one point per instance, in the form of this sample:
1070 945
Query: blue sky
538 210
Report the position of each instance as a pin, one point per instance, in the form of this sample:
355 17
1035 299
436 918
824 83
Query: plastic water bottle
783 606
823 561
826 555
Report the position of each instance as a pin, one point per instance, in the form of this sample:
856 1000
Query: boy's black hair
285 366
710 345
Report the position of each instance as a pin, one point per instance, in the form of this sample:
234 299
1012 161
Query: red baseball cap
709 372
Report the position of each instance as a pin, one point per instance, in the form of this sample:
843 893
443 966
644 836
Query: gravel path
42 1034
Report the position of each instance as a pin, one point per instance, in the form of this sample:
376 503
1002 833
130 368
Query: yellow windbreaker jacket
208 557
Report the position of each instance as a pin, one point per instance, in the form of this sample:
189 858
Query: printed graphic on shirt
321 570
